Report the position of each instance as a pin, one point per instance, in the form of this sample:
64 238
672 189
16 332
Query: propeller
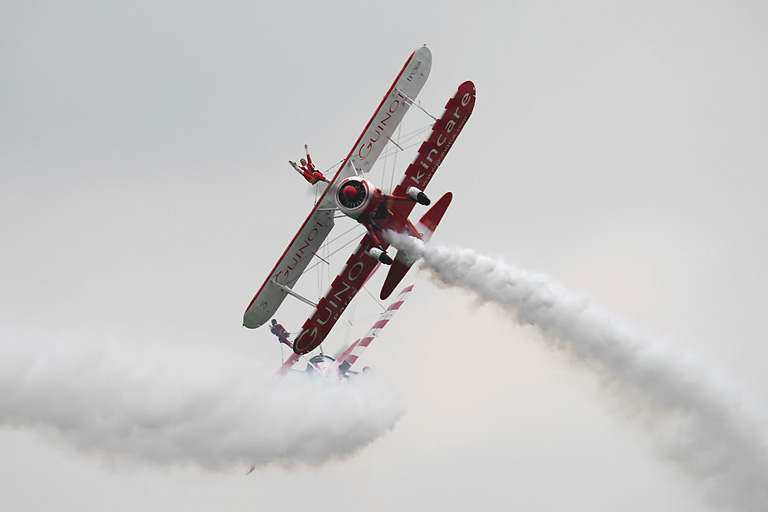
352 194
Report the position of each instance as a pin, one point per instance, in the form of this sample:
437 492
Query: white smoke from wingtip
696 422
170 406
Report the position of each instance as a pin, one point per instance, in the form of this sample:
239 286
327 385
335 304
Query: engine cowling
354 195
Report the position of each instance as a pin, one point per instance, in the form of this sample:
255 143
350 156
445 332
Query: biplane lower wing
289 267
343 289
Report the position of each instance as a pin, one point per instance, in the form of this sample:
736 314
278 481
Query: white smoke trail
697 423
169 406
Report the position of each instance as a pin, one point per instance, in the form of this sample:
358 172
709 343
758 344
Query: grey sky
618 147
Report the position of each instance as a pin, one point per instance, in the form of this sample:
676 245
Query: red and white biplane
351 194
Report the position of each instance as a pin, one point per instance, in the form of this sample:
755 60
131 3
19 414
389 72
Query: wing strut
418 105
358 171
294 294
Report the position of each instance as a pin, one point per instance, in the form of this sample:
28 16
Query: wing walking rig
350 193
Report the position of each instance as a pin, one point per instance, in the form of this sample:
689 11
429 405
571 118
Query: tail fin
403 262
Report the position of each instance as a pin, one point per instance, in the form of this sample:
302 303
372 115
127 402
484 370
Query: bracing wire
408 137
334 166
394 163
327 256
377 301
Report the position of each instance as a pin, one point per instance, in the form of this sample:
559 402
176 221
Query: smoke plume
169 406
696 421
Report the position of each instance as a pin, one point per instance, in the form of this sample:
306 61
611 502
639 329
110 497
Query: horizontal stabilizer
403 261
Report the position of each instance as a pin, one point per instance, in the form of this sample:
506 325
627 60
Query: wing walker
351 194
308 170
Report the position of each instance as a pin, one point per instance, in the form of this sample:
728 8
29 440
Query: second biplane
339 367
351 194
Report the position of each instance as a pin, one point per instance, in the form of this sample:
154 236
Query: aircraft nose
349 192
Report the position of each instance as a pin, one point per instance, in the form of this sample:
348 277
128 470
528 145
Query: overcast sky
618 147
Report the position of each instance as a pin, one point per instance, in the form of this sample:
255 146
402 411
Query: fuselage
359 199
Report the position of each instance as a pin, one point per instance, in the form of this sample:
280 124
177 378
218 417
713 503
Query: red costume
307 169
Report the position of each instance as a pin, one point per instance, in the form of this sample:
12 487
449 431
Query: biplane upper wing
385 120
361 158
